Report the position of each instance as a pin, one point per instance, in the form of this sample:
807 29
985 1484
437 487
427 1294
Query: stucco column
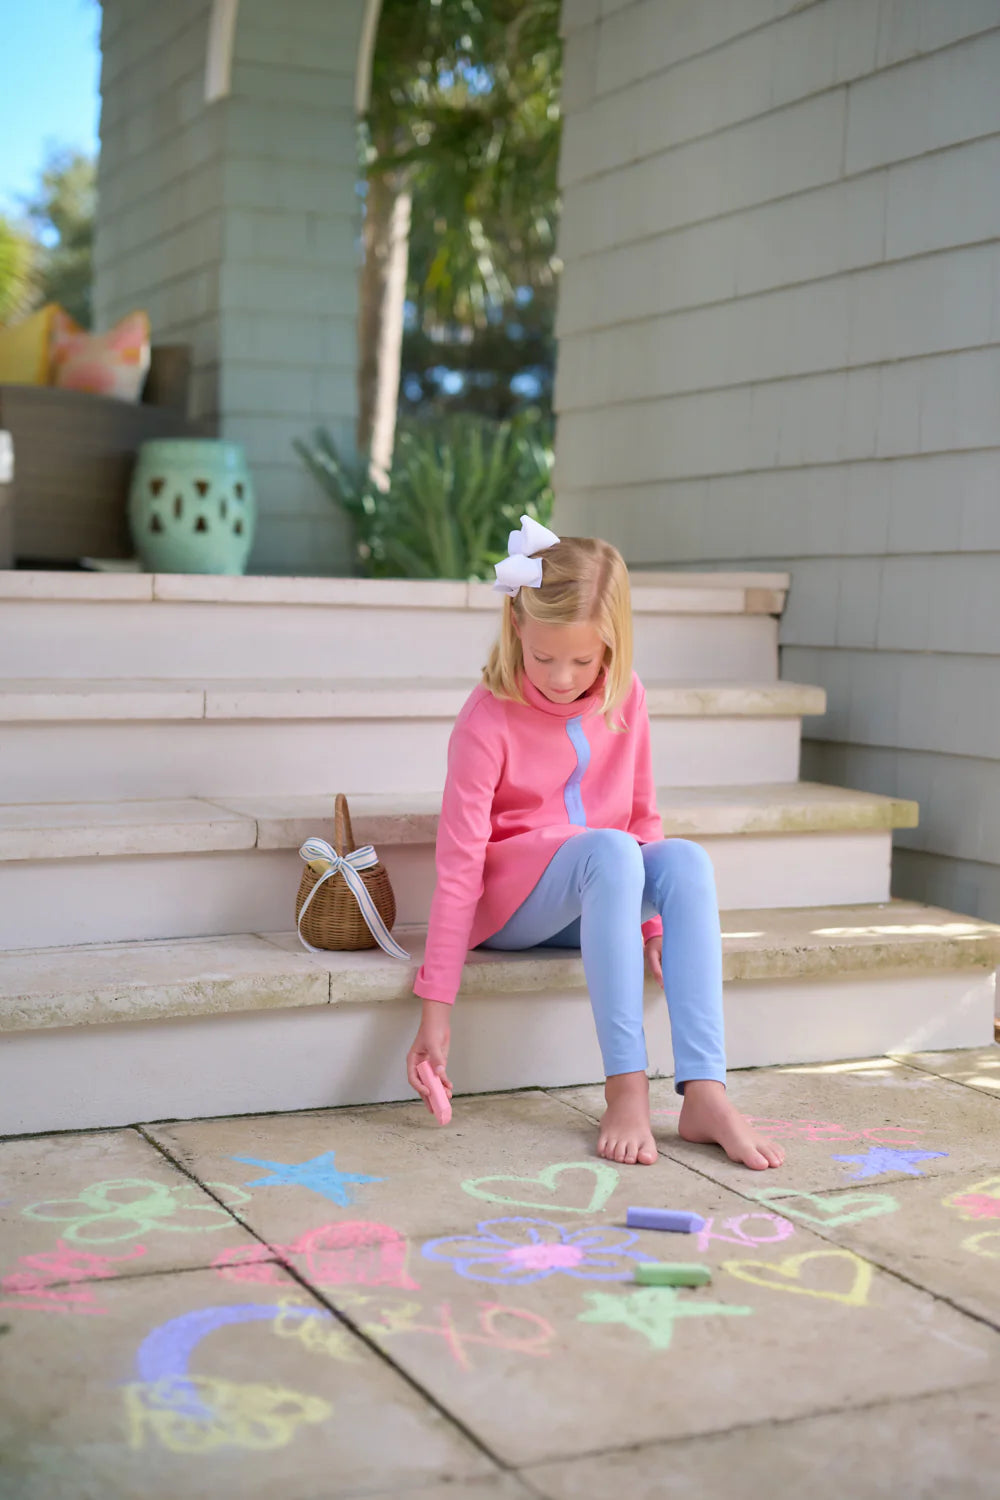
235 221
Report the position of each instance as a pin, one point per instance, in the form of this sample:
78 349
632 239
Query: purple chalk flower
516 1251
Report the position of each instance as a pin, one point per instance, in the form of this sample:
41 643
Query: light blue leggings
591 897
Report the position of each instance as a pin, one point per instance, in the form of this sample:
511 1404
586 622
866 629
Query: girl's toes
630 1154
620 1152
756 1159
647 1156
772 1153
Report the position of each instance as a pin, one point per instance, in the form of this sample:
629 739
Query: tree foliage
17 261
456 490
62 215
506 367
465 111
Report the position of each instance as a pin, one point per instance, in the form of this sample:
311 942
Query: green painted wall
236 225
779 347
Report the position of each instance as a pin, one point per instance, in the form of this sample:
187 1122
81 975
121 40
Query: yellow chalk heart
762 1273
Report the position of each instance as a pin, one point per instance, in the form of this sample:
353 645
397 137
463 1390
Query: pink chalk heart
248 1263
355 1254
603 1181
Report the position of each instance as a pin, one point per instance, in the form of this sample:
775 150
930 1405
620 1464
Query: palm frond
456 490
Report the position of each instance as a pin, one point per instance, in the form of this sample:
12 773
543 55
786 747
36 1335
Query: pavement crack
373 1346
716 1434
993 1324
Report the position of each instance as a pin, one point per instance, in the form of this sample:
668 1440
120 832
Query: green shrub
456 490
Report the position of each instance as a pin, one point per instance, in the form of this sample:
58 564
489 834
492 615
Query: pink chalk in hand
440 1103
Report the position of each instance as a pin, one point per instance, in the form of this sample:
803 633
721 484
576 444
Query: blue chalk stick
664 1218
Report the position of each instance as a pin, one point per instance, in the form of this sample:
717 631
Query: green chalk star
653 1311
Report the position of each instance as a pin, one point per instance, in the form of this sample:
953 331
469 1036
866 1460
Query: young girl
549 837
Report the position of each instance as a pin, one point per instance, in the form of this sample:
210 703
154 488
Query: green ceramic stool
191 506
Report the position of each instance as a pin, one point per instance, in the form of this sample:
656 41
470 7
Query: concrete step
112 1034
196 868
65 740
170 626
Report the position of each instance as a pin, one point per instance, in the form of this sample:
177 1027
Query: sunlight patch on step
961 930
871 1067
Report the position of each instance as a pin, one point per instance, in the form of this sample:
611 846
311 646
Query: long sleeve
475 761
645 824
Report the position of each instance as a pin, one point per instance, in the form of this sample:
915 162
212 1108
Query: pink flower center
545 1257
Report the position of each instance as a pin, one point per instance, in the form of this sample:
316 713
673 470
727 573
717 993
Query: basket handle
349 869
343 833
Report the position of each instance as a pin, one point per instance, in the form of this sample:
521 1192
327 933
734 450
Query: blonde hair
584 581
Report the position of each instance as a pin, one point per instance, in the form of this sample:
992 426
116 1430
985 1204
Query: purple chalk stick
664 1218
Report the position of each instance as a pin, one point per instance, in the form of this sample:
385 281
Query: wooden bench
73 458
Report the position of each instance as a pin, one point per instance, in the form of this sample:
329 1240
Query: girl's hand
431 1044
654 953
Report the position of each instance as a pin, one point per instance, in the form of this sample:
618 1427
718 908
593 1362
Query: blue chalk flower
517 1251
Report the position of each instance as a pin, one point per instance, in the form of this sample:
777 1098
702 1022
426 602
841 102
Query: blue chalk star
879 1159
318 1174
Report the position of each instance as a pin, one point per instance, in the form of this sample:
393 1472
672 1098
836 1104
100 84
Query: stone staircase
166 744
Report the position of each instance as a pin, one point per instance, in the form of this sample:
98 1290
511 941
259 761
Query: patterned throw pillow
25 348
105 364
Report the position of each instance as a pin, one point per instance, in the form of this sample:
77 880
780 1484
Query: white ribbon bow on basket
348 865
518 569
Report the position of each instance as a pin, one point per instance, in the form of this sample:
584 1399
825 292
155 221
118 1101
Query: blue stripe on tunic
571 794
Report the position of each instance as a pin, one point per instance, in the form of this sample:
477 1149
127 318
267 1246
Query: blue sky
49 67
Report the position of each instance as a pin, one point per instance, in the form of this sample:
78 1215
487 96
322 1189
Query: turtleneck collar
585 704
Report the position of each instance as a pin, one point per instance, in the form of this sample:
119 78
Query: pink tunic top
522 779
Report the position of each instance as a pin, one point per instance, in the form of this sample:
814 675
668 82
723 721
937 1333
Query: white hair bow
519 569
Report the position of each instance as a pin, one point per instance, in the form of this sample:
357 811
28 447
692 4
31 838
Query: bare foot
626 1134
708 1118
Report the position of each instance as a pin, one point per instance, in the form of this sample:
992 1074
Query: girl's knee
679 859
612 852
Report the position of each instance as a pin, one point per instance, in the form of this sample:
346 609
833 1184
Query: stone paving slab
976 1067
488 1266
402 1256
489 1322
821 1112
495 1143
351 1261
187 1385
880 1073
76 1208
941 1445
943 1233
518 1330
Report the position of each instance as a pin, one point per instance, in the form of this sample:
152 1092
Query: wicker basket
334 918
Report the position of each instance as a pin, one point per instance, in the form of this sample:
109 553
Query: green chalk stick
655 1273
